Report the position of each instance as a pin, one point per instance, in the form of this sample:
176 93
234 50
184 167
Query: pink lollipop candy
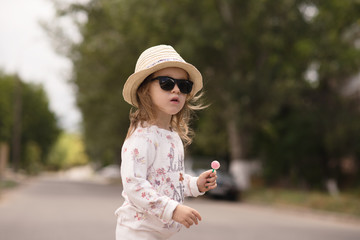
215 165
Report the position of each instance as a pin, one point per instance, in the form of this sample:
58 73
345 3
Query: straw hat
154 59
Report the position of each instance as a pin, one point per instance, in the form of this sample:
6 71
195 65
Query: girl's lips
175 99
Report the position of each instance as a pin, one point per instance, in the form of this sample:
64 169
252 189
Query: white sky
25 49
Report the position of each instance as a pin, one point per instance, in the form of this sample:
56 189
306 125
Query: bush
69 151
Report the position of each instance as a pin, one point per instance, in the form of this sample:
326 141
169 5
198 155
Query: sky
25 49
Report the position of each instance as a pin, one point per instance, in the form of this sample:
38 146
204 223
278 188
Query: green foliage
208 124
6 114
37 124
254 56
309 140
69 151
32 160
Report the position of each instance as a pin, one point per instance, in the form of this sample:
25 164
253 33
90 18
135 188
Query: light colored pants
125 233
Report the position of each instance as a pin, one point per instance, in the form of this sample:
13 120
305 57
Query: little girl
162 89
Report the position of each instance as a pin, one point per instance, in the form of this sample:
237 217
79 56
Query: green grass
7 184
346 203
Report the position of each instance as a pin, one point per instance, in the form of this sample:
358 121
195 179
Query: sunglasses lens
166 84
185 86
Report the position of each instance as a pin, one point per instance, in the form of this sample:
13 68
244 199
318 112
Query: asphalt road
54 209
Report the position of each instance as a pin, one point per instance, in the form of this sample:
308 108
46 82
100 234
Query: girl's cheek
183 101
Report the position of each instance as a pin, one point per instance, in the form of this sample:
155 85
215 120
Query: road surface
56 209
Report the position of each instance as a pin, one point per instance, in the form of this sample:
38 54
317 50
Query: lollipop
215 165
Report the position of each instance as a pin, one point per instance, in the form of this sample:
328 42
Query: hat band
165 60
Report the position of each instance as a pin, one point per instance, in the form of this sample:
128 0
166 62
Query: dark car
226 186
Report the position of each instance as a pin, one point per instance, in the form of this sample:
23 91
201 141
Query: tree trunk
16 142
236 148
240 168
4 155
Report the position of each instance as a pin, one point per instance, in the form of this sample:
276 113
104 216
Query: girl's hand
185 215
207 181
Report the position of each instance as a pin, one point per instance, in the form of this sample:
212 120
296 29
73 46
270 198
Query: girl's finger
212 187
209 173
213 174
197 214
213 179
210 184
189 222
194 218
186 224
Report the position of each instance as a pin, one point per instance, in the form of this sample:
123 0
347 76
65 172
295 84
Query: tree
6 92
37 129
312 134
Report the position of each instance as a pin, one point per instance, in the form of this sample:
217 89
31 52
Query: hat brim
134 80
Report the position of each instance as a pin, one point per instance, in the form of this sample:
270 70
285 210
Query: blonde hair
145 113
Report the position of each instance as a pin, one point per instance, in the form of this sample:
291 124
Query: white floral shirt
154 180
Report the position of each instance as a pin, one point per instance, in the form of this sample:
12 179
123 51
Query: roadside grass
347 203
8 184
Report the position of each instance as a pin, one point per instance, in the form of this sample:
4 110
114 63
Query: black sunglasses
168 84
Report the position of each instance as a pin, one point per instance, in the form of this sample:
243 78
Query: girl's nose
175 89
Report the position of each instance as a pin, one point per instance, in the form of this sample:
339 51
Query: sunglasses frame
184 85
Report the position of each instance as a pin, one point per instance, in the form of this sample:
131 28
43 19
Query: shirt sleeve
191 188
138 153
